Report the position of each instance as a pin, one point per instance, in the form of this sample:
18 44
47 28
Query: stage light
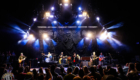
80 8
19 42
80 15
84 13
52 8
51 16
109 35
66 4
89 35
104 35
31 37
66 0
54 22
47 14
60 4
45 36
78 22
25 36
34 19
87 38
98 18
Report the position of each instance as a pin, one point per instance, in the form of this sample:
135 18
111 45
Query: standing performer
101 59
42 57
74 57
93 59
21 59
60 57
78 59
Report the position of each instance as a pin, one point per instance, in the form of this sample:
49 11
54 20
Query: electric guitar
100 59
94 58
20 60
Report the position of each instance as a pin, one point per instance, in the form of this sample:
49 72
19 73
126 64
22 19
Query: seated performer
60 57
49 57
21 59
93 59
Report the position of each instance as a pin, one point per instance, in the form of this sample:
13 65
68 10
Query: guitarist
101 59
21 59
61 58
93 58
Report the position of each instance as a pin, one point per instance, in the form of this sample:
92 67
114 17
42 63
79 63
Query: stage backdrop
68 41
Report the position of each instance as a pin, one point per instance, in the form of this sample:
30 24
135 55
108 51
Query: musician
60 57
43 57
78 59
93 58
49 55
74 58
101 59
21 59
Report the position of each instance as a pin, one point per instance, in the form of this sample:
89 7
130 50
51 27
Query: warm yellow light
66 0
89 35
31 36
84 13
45 36
47 14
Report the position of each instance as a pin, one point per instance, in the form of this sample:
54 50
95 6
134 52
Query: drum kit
48 58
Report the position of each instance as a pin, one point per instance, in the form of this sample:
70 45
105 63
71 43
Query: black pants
22 63
94 62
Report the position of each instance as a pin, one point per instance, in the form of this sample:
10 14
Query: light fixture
98 18
34 19
84 13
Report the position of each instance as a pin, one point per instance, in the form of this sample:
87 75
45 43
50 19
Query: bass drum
69 59
47 60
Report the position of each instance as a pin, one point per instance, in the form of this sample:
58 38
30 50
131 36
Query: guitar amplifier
85 58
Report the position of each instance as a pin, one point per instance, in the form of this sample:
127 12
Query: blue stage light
80 15
54 22
80 8
52 8
25 36
78 22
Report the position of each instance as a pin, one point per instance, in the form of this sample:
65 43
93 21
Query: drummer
49 55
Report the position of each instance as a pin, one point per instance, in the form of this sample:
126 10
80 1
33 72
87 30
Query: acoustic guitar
20 60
